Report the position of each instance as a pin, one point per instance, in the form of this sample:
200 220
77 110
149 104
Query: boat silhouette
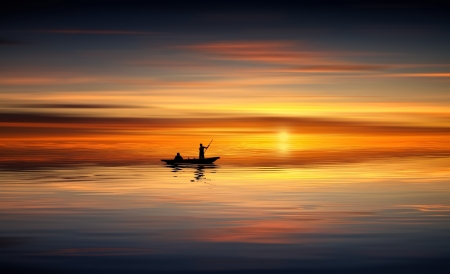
192 161
201 160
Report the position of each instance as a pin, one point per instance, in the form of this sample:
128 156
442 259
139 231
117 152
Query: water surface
377 216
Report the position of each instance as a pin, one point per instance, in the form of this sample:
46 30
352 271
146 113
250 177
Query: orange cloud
264 51
286 53
430 74
338 68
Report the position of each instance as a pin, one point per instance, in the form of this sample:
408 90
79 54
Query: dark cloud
75 106
13 241
97 31
10 42
30 117
306 125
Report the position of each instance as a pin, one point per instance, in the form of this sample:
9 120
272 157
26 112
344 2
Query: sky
116 82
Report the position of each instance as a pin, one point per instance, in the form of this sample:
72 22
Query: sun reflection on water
324 211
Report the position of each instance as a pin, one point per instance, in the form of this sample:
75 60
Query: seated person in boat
178 157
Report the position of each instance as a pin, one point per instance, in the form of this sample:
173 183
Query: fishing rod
208 145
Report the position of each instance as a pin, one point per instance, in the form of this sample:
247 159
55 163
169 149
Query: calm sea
373 217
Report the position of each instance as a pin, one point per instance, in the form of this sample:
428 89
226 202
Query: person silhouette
202 151
178 157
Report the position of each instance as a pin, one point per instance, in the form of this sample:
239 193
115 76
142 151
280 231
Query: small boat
192 161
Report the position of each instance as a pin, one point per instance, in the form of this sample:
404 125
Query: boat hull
192 161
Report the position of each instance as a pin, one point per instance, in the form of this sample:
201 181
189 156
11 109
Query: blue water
368 217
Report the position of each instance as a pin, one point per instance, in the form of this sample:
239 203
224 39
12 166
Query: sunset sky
135 81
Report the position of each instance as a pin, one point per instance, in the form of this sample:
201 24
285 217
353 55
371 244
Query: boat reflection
199 170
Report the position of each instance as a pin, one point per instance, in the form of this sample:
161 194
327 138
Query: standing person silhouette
201 151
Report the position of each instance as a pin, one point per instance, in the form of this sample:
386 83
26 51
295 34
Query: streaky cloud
430 74
305 125
10 42
76 106
301 56
338 68
97 31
